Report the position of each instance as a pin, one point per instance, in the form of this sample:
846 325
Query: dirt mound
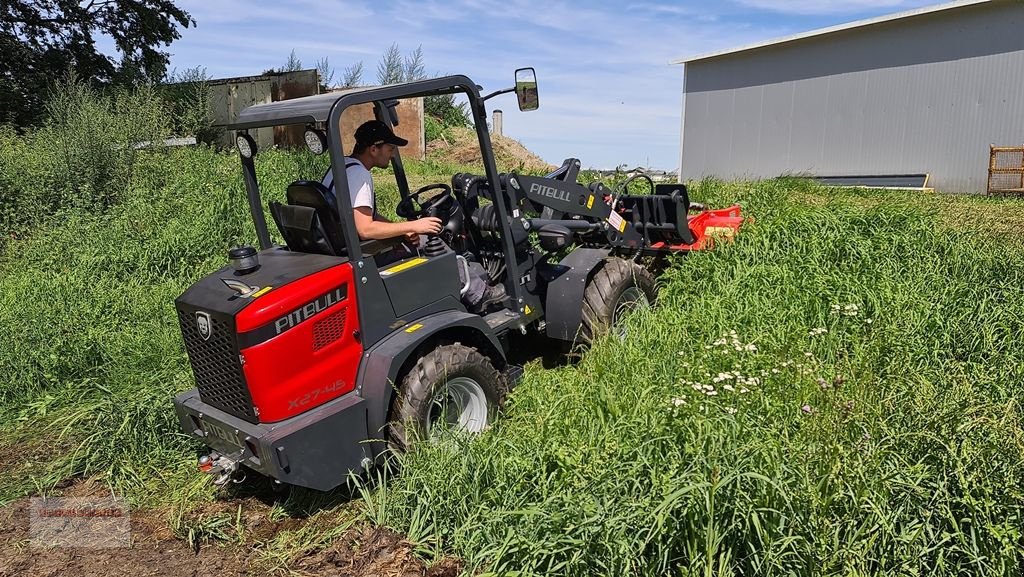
460 146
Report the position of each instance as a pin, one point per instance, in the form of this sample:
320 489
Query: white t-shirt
360 183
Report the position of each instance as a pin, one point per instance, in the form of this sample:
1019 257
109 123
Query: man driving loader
375 144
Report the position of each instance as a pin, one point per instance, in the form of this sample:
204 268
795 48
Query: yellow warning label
261 292
528 310
403 266
722 231
414 328
590 202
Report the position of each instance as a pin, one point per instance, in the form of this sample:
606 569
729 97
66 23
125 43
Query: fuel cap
244 259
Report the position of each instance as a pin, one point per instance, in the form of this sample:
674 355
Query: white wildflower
711 393
678 402
729 388
730 410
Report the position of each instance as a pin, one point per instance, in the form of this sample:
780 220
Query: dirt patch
460 146
372 551
156 552
150 554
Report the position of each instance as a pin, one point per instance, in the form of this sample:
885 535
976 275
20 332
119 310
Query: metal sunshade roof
317 108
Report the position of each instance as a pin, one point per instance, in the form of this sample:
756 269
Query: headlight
246 146
316 141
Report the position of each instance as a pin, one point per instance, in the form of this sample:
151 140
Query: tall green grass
868 423
837 392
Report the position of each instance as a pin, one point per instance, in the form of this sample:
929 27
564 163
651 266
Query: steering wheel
441 205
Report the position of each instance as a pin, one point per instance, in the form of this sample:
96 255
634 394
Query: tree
293 64
391 68
326 73
42 39
352 76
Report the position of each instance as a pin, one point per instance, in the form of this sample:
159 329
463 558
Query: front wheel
452 387
619 287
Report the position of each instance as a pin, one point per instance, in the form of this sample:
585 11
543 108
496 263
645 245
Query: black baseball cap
376 132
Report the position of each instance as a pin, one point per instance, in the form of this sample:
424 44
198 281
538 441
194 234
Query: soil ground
156 552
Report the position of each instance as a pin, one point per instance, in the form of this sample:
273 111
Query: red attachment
709 226
312 362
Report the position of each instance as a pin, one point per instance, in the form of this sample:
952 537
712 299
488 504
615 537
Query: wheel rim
461 406
631 299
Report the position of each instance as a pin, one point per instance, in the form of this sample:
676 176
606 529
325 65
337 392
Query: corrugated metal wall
229 96
926 94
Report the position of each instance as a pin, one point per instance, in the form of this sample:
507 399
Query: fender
567 282
378 375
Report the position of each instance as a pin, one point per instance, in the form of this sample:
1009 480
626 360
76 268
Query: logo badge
204 325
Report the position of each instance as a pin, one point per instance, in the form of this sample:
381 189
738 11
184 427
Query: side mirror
526 89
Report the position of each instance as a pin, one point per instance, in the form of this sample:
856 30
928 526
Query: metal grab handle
465 268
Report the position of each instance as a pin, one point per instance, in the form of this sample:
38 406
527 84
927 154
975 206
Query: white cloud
822 7
608 95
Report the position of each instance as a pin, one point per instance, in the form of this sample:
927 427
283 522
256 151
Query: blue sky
607 91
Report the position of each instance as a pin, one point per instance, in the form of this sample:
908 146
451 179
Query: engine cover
274 343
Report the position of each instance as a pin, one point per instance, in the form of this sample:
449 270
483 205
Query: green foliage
44 40
188 97
837 392
447 111
352 76
82 158
432 128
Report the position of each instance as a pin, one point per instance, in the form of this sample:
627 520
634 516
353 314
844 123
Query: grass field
835 393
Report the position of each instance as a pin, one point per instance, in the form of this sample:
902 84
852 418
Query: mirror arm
497 92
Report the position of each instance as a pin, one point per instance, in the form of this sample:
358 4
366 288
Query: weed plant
835 393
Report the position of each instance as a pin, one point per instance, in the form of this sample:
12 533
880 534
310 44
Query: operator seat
307 222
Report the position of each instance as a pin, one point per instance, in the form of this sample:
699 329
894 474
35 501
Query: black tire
618 287
451 373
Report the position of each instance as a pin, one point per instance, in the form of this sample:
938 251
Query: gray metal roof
318 108
834 29
295 110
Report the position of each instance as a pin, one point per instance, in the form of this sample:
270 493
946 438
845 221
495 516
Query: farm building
920 92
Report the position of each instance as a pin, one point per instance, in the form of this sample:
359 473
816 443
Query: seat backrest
308 223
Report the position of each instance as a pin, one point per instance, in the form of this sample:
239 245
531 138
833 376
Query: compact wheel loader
315 357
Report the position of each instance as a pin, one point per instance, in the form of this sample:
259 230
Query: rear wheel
452 387
619 287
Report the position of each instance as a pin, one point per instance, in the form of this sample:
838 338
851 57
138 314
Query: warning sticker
617 222
590 202
720 231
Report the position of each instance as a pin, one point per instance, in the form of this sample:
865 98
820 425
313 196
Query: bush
82 158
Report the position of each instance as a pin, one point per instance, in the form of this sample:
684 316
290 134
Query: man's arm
370 229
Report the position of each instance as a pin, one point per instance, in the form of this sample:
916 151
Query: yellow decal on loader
590 202
262 292
528 310
403 266
414 328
